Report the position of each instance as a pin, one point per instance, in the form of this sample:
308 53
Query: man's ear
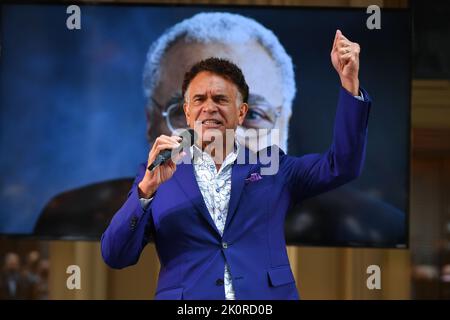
243 108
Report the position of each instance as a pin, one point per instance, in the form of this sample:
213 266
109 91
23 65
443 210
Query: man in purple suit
216 219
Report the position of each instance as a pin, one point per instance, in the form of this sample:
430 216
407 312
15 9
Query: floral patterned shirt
215 187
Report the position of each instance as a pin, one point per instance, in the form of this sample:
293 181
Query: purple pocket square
253 177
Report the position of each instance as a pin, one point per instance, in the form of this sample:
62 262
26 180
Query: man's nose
210 106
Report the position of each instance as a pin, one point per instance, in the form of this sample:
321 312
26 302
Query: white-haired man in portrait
267 67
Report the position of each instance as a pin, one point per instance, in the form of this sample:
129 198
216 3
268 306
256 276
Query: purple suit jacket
191 251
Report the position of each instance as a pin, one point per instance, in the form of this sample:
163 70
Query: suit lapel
238 175
185 177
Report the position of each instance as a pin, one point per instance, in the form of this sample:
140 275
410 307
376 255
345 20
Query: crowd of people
27 280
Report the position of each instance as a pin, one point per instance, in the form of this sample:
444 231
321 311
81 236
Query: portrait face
213 105
260 71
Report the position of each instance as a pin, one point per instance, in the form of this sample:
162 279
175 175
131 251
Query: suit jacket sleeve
129 230
312 174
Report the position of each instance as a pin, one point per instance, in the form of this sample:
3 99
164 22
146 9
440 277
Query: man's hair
221 67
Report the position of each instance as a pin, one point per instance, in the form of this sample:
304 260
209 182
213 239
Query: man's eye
221 100
254 115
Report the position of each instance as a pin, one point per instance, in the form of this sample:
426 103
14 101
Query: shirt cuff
360 97
145 202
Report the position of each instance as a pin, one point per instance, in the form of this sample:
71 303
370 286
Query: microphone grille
193 136
189 136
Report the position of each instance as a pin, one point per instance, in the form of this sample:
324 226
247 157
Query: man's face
262 75
213 105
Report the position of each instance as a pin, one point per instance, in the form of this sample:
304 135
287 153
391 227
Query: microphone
188 139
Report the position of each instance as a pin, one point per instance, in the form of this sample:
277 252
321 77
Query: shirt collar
200 155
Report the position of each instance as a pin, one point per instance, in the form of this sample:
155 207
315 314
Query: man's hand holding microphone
162 159
153 178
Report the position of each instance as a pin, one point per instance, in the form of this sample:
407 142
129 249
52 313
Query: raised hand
345 59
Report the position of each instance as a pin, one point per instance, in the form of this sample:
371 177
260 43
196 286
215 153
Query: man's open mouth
211 122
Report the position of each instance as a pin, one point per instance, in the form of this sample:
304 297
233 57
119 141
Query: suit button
224 245
219 282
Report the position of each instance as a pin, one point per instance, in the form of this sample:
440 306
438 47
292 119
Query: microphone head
189 137
193 136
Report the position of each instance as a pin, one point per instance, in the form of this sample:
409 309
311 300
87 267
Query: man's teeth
211 122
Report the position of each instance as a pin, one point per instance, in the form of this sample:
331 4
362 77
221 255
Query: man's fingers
350 54
161 146
345 57
161 143
166 141
164 138
167 145
353 47
176 138
336 36
158 141
170 164
344 50
343 43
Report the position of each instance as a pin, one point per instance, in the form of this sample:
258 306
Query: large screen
81 104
